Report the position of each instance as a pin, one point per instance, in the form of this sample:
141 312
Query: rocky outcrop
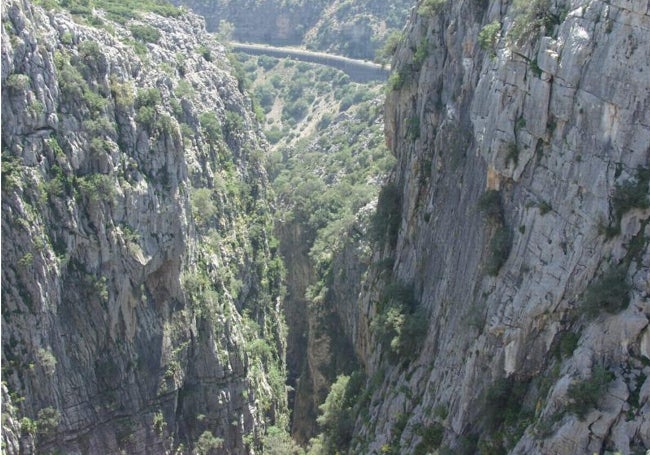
140 292
522 136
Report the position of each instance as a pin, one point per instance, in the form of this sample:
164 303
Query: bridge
358 70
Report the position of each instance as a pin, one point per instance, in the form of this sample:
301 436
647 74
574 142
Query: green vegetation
211 127
432 436
430 7
629 195
145 33
500 245
396 80
490 204
47 420
420 55
544 207
506 414
390 45
116 10
96 188
277 441
400 324
586 394
208 444
337 416
568 342
386 220
610 292
489 36
17 82
531 18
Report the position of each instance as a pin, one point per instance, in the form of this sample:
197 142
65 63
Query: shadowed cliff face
140 293
515 158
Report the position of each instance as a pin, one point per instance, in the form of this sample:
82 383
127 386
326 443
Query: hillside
356 29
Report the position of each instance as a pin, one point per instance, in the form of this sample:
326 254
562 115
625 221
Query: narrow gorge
205 252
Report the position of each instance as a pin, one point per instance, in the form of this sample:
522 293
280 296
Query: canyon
489 294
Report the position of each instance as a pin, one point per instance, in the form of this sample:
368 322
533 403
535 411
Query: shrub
211 127
145 33
512 153
204 52
267 62
390 45
430 7
208 443
413 128
336 419
234 122
499 250
47 420
610 292
630 195
296 110
421 53
490 204
544 207
502 402
265 95
274 134
586 394
184 89
530 17
488 37
395 81
277 441
17 82
96 188
401 294
386 219
431 438
150 97
408 341
203 208
324 122
567 343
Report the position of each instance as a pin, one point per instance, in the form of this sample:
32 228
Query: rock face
140 292
522 134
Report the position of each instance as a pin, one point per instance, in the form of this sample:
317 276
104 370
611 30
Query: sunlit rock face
137 276
523 142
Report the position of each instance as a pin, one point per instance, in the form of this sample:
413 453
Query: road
358 70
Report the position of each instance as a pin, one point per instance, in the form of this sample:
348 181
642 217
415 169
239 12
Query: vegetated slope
141 285
353 28
327 163
515 225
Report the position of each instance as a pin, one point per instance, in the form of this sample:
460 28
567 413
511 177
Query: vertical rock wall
140 293
523 235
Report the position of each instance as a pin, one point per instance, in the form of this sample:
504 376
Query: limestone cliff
522 132
140 286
